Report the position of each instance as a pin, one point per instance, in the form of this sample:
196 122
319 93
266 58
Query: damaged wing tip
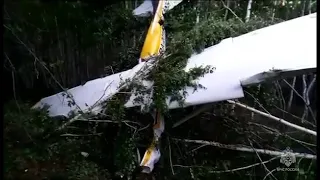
37 105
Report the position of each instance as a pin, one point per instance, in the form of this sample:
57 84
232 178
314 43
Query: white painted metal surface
288 47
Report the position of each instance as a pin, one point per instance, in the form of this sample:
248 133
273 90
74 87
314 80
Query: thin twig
79 135
265 167
108 121
296 92
235 169
257 101
291 94
280 94
44 66
170 158
308 92
191 115
203 145
143 70
138 156
235 15
130 126
143 128
104 92
270 172
294 116
13 70
244 148
245 167
274 131
304 93
275 118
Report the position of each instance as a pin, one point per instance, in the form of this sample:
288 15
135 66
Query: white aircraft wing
146 8
278 51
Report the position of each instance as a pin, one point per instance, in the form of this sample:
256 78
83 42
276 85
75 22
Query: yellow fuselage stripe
153 39
148 153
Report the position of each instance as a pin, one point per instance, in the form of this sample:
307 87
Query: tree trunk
304 94
303 7
291 94
227 11
197 7
248 10
275 4
309 3
126 5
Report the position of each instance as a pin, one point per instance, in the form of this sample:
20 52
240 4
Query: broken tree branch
269 173
296 92
294 116
291 94
276 132
230 170
79 135
170 158
245 167
304 93
193 114
308 93
137 72
275 118
265 167
228 8
246 149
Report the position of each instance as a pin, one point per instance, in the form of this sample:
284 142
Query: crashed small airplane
269 53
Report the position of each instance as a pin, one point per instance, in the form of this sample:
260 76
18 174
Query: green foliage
83 169
28 154
125 154
115 108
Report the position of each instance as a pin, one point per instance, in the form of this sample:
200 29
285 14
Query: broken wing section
88 96
268 53
147 7
274 75
155 42
144 10
274 48
152 154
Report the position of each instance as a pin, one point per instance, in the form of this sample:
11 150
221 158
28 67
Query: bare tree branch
304 93
307 99
193 114
274 131
244 148
231 170
280 94
203 145
269 173
245 167
296 92
291 94
296 117
79 135
275 118
265 167
235 15
170 158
